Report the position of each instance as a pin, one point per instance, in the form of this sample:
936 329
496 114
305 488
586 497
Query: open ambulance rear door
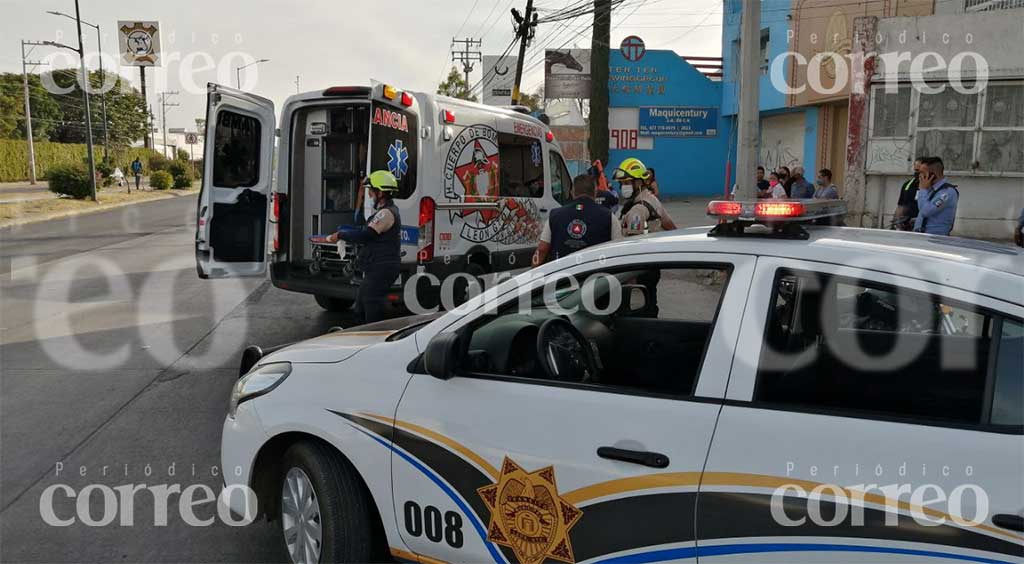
231 226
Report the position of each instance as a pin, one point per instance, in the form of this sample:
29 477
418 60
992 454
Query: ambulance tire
333 304
461 288
337 496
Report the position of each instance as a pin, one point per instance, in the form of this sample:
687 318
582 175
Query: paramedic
380 243
579 224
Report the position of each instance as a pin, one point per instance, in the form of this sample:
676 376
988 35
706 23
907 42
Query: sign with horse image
567 73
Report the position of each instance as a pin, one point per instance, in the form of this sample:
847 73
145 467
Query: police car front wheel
326 513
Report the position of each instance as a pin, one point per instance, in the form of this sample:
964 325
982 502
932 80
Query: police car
768 391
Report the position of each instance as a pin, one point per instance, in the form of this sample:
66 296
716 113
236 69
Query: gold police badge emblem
528 516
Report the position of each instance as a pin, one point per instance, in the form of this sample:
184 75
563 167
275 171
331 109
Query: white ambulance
475 185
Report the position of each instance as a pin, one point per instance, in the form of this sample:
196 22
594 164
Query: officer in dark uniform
380 243
579 224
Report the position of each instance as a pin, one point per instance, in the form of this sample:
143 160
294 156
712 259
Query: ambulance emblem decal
528 516
398 159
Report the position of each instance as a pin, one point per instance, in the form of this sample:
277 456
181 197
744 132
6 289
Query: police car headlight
258 381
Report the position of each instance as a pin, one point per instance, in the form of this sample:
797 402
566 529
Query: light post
88 114
103 98
238 71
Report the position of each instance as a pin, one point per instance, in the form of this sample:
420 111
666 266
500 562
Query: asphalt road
116 363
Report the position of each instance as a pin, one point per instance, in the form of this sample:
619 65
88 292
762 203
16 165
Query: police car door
493 468
872 412
231 224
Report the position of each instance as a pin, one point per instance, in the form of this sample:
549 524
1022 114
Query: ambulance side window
236 162
522 166
561 182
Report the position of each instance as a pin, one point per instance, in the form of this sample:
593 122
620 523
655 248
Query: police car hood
341 345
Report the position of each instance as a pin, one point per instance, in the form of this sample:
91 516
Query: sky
326 43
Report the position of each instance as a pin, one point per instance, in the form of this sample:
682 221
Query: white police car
789 394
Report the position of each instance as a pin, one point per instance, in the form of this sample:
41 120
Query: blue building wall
771 101
685 166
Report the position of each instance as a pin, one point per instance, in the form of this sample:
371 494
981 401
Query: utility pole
164 104
597 143
747 130
103 96
526 25
469 54
86 85
28 111
147 142
296 84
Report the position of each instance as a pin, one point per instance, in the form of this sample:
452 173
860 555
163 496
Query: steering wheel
565 353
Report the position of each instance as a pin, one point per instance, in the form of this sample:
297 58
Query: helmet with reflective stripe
383 180
631 168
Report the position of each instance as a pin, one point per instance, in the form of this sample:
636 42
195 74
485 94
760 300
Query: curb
102 208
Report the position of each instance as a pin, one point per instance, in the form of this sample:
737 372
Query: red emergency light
406 99
549 137
447 116
779 209
725 208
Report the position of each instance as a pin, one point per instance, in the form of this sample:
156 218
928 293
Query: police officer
380 251
906 205
579 224
937 199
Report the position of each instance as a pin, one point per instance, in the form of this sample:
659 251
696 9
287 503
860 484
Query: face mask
627 190
820 182
773 183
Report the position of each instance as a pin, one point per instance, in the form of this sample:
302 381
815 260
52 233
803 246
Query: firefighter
380 243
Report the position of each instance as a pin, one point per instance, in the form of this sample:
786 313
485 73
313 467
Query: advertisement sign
567 73
139 43
678 121
499 77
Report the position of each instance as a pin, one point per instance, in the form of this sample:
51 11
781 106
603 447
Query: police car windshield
571 293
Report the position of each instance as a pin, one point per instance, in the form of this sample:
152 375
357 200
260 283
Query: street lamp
238 71
103 98
88 113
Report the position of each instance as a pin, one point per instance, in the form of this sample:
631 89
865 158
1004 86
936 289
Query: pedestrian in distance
652 183
136 167
775 189
762 182
825 189
580 223
937 199
785 178
118 176
380 251
801 189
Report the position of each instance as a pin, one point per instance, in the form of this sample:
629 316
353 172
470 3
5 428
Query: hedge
14 157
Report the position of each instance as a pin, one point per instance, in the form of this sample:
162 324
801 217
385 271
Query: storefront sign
678 121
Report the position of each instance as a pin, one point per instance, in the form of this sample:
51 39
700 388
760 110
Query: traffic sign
191 138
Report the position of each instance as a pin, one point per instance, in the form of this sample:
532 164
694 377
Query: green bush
161 180
181 171
157 162
70 180
14 157
181 155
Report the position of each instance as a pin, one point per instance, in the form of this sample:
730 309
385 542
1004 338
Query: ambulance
476 184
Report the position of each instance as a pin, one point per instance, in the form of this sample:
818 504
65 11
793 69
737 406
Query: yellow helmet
631 168
383 180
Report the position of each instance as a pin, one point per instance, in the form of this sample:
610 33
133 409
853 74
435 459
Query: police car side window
522 166
845 345
1008 394
561 182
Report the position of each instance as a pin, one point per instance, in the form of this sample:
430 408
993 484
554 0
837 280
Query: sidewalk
14 192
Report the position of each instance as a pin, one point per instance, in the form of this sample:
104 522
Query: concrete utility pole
103 96
597 142
164 104
28 110
525 27
748 126
147 140
296 84
469 54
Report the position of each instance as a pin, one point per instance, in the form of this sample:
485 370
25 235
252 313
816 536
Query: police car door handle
652 459
1009 521
543 210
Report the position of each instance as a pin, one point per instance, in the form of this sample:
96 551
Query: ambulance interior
328 159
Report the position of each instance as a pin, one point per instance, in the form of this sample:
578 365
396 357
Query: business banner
678 121
499 77
139 43
567 73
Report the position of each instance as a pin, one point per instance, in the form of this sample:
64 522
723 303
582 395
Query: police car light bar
774 211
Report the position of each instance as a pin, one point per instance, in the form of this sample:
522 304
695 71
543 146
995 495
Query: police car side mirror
634 298
442 355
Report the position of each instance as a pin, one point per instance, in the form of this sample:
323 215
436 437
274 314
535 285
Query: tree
533 101
45 112
126 113
598 143
455 86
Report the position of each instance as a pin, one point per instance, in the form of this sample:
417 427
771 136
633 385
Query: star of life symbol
398 159
535 153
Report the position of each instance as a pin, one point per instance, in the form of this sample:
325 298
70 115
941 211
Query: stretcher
338 257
